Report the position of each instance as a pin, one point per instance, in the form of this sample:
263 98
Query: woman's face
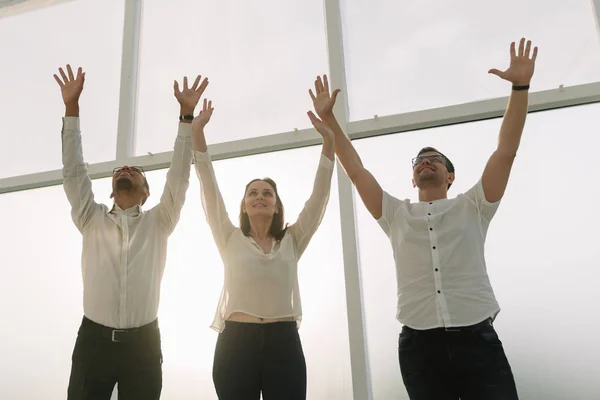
260 200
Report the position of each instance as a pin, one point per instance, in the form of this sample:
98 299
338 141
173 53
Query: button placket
437 276
123 270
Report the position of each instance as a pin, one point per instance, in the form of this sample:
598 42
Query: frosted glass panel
412 55
261 58
541 250
86 33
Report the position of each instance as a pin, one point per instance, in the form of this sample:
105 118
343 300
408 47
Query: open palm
323 102
204 117
188 97
521 65
70 86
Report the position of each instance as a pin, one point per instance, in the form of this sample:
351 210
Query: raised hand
323 101
188 97
521 67
70 86
204 117
321 126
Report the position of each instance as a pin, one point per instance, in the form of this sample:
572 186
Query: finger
513 53
521 47
496 72
185 83
325 83
335 93
534 55
313 117
176 87
64 76
79 72
60 83
70 71
196 82
312 95
210 107
203 86
528 49
204 105
319 85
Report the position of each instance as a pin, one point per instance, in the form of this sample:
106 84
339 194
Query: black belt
121 335
485 322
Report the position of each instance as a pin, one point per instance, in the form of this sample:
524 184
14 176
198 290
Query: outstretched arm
367 186
314 209
178 177
519 73
76 182
212 201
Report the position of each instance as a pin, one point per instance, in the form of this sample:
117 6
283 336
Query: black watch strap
524 87
187 117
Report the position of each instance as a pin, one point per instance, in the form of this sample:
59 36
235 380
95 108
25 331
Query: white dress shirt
264 285
124 251
439 253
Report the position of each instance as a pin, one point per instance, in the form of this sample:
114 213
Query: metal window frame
461 113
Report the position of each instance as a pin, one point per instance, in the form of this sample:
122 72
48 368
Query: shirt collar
135 210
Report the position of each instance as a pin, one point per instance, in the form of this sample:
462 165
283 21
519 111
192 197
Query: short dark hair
449 165
278 228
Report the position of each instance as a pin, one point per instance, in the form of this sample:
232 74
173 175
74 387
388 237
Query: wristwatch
186 117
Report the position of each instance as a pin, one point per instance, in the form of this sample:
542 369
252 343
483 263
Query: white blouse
264 285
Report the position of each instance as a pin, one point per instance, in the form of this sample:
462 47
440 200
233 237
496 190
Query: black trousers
450 364
254 358
104 356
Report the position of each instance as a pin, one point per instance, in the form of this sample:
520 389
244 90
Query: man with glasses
448 348
124 255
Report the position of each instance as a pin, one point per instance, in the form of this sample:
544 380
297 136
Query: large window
42 258
406 56
86 33
541 249
261 58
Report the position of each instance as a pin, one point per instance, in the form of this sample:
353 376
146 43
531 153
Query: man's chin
123 184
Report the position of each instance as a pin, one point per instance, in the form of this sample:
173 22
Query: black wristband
187 117
524 87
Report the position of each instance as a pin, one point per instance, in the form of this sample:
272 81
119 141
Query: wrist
71 109
184 110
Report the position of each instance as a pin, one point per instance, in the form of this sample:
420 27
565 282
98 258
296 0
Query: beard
428 180
123 184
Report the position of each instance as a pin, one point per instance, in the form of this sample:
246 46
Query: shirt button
439 291
434 247
431 202
428 213
436 269
430 229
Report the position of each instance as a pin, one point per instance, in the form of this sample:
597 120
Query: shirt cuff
201 156
185 130
71 124
326 162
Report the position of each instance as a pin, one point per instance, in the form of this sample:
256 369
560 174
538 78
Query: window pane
40 292
261 58
85 33
194 278
541 249
405 56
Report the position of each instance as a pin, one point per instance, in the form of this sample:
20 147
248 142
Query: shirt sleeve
314 209
486 209
212 201
178 179
76 182
389 207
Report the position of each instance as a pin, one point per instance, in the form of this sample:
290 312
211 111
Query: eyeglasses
139 170
432 159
